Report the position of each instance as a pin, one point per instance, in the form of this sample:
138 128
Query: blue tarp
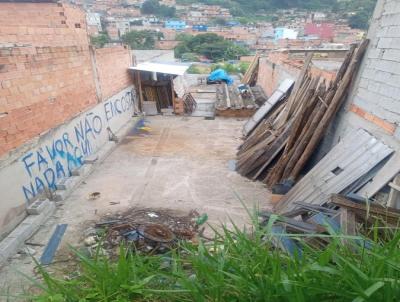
220 75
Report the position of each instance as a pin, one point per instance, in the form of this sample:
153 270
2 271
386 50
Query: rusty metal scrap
148 230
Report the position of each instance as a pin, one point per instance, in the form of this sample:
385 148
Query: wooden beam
334 105
347 221
372 208
139 80
394 194
171 77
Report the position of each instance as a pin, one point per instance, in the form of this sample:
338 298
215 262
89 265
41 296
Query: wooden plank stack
282 143
250 77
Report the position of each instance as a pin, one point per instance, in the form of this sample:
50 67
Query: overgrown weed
239 265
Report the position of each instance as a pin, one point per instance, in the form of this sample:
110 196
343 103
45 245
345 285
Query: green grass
239 67
238 266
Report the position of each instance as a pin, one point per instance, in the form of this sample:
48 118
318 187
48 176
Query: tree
234 52
142 39
150 7
219 21
359 20
100 40
210 45
183 37
190 57
153 7
181 49
214 51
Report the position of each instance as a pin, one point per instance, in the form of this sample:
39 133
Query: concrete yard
181 164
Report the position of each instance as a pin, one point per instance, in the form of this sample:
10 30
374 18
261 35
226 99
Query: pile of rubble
339 215
144 230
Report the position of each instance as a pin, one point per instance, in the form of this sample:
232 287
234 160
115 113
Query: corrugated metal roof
167 68
350 159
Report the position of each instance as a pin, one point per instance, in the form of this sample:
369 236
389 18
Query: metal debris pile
144 230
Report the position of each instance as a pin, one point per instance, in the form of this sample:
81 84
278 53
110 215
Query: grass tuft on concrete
238 265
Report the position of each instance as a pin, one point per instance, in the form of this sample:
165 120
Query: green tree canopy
153 7
359 20
211 46
100 40
141 39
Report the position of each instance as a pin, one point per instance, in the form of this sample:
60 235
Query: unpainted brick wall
277 67
46 70
270 75
112 64
42 87
42 24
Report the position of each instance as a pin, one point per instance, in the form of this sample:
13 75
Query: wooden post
140 88
394 194
171 77
347 221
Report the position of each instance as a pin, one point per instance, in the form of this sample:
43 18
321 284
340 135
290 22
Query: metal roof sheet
167 68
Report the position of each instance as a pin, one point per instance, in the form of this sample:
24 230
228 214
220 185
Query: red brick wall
42 87
112 64
276 67
42 24
46 70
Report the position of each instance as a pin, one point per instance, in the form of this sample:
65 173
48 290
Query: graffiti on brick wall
57 158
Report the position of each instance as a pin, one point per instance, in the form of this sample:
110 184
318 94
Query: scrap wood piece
289 108
394 194
323 219
334 105
308 213
52 245
382 177
310 123
371 208
350 159
347 221
278 94
251 71
302 125
263 130
265 154
296 225
316 208
189 103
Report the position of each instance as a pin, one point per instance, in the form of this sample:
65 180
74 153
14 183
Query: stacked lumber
282 143
250 77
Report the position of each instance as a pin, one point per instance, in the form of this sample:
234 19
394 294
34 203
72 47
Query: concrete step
37 207
91 159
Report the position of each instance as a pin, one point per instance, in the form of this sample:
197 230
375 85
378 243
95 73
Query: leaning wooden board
350 159
267 106
384 175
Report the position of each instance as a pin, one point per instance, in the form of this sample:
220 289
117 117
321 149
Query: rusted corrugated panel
350 159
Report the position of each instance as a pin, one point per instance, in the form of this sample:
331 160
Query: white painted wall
47 159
